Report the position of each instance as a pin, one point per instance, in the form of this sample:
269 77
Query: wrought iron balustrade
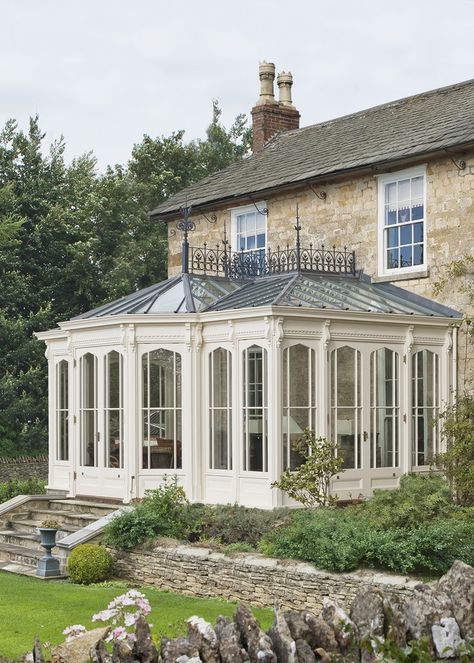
222 261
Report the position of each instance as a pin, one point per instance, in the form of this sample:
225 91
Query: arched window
346 404
425 406
299 400
161 371
255 410
220 410
62 410
384 408
113 409
88 410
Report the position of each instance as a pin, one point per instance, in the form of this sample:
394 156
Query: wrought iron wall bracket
322 195
459 163
212 220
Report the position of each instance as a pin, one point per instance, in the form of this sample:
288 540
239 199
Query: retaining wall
254 579
24 467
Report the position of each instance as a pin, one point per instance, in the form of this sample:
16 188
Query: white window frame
383 180
236 211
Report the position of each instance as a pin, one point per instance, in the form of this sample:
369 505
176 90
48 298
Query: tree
72 239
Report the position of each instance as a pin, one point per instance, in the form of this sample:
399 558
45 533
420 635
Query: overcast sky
104 72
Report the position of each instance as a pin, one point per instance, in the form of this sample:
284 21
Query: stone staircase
20 547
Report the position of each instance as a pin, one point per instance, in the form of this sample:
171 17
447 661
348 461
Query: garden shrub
232 523
457 462
419 500
14 487
89 563
163 512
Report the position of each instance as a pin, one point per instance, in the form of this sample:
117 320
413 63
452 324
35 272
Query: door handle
366 436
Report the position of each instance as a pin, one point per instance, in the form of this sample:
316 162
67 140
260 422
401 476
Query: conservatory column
195 407
51 413
132 445
275 465
323 383
406 423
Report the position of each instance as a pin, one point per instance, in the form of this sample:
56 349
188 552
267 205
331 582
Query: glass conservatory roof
190 293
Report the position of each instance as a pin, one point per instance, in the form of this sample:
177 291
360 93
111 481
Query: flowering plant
74 631
124 612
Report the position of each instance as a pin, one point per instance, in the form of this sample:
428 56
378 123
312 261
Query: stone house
300 294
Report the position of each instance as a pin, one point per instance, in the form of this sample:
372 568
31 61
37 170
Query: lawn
30 607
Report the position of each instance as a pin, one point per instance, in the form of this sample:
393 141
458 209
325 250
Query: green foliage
163 512
234 524
420 500
166 512
72 239
457 462
16 487
89 563
309 484
417 528
239 548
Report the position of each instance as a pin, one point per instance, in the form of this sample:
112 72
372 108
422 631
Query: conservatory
213 375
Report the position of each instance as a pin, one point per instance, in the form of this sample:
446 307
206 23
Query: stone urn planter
48 566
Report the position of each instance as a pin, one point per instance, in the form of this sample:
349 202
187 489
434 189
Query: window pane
384 408
392 237
88 438
405 234
404 191
417 210
88 381
418 254
425 389
404 215
390 216
113 380
406 256
418 232
162 411
220 433
417 187
392 259
254 415
346 376
391 193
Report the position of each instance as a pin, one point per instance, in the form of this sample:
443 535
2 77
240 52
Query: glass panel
384 408
346 410
113 410
88 381
162 410
417 210
403 190
220 409
425 401
346 376
392 237
417 187
255 416
418 232
62 411
418 254
88 438
406 256
391 193
405 234
88 409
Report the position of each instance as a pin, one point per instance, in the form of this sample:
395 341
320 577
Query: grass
31 607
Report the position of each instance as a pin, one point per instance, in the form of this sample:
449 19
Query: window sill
388 278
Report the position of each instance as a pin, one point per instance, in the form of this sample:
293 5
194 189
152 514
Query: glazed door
100 471
364 415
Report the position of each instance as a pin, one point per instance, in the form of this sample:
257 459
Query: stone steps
20 546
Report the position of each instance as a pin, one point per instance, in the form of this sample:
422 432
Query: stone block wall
23 468
253 579
349 216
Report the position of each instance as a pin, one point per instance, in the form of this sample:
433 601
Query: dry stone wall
23 468
254 579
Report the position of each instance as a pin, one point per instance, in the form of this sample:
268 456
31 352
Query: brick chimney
269 116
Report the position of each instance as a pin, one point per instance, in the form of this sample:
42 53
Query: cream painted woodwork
194 336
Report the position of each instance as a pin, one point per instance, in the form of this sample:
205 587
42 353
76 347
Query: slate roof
402 129
189 293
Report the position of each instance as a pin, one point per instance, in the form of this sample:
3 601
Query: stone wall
253 579
349 216
24 467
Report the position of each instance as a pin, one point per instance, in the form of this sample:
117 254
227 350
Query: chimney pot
266 72
285 81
